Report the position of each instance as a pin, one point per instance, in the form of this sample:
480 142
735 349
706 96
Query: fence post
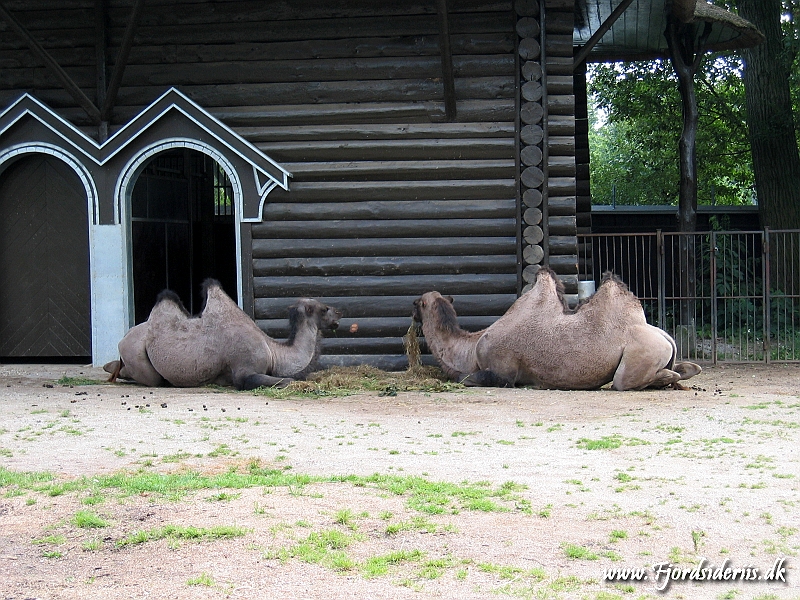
713 283
661 283
766 297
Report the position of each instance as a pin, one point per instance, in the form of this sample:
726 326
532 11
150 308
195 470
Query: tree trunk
776 162
685 52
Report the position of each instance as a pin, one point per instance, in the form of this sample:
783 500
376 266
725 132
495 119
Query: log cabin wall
391 196
389 199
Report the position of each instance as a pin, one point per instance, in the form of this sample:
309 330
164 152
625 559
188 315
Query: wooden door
45 308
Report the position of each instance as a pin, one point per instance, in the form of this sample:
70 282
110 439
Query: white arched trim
13 152
123 191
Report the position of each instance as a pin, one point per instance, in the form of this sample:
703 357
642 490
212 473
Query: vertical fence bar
712 275
661 282
765 292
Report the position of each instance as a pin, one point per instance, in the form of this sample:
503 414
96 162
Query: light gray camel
541 342
221 345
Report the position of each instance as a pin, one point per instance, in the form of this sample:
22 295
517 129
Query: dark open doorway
182 227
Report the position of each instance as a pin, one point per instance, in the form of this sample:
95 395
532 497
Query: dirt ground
548 491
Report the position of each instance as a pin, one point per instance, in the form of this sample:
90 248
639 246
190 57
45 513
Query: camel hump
170 296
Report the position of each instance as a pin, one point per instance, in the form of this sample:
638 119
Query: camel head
432 306
307 311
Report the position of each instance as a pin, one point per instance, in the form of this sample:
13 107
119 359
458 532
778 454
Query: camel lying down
541 342
221 345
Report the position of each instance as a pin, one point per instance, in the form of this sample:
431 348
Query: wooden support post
448 78
122 61
100 47
51 64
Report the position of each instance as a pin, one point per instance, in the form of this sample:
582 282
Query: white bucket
585 289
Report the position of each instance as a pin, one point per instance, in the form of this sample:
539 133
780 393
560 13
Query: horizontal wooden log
529 273
333 191
389 228
269 30
561 105
531 113
561 145
563 264
563 244
288 248
389 306
559 45
560 22
532 177
372 265
377 131
560 65
561 186
561 225
560 166
402 169
559 85
561 125
318 70
369 328
396 209
561 205
376 150
257 114
386 362
375 285
532 91
529 49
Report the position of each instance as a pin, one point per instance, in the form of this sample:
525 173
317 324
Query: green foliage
635 122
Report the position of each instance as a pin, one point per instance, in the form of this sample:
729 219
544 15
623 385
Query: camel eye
423 304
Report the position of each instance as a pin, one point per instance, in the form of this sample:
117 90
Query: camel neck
295 353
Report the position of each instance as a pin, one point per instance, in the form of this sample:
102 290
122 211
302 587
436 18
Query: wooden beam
100 47
583 53
122 60
51 64
448 79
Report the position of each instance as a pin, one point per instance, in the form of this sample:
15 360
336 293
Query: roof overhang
638 33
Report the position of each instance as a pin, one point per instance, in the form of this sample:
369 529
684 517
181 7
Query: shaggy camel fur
541 342
221 345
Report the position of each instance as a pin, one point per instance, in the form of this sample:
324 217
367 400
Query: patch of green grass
414 524
609 442
202 579
375 566
180 532
510 572
223 497
54 539
617 534
325 548
92 545
86 519
576 552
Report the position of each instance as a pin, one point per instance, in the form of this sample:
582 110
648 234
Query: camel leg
643 365
248 380
486 378
687 369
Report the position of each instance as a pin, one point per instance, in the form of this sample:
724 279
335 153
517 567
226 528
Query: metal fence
725 296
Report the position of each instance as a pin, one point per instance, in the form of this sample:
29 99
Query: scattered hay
346 381
411 346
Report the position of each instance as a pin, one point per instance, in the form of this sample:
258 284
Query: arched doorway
45 308
182 229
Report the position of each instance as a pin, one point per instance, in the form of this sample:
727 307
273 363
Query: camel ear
449 299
